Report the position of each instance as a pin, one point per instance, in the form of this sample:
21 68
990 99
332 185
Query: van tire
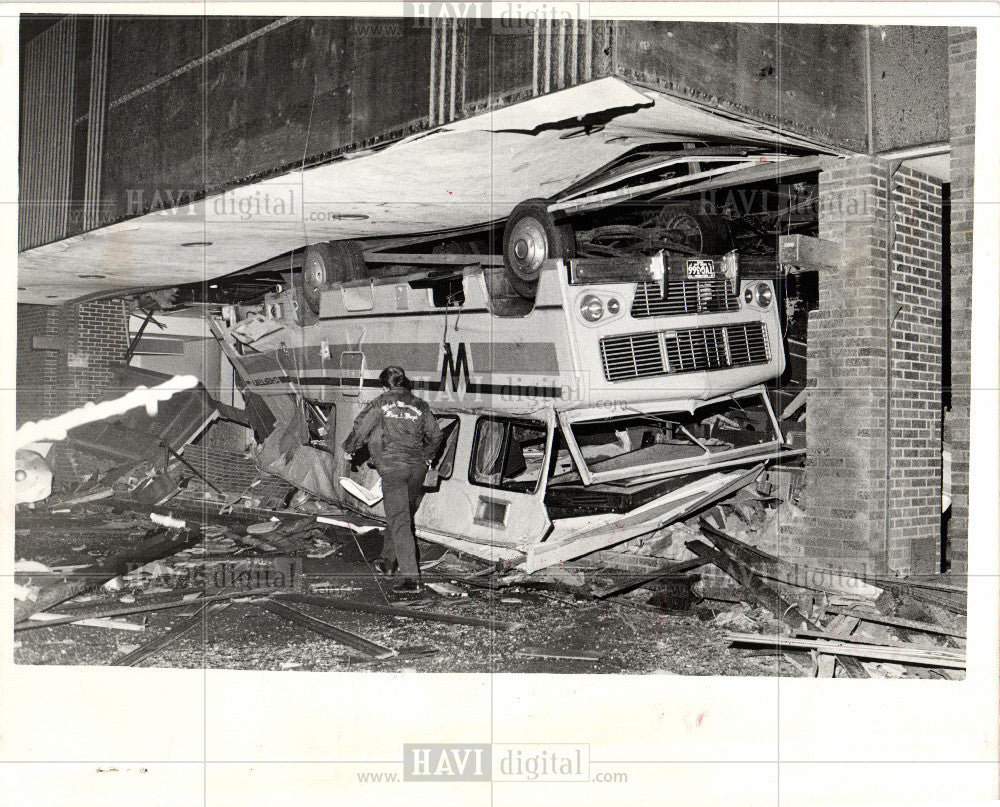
328 264
530 236
699 226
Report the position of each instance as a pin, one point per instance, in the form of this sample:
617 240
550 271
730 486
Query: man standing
403 438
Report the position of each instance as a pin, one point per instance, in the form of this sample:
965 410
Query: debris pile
833 624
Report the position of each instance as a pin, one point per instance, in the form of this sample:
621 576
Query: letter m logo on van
453 365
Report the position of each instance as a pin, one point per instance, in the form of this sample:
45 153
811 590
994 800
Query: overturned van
584 400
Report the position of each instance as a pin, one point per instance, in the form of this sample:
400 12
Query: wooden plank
774 568
352 606
840 626
795 404
899 622
569 655
880 652
344 637
826 665
833 636
100 622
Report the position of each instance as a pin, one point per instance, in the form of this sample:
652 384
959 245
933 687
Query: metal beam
760 172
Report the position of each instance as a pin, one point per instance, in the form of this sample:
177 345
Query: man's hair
394 378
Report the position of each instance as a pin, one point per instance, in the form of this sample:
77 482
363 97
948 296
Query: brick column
962 111
874 356
915 388
844 498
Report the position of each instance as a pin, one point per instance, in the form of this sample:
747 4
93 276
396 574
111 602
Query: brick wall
91 338
855 518
97 339
40 373
962 111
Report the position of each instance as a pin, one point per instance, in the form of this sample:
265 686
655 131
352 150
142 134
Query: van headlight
591 308
764 295
760 293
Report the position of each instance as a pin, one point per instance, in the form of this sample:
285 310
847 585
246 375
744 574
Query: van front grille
642 355
684 297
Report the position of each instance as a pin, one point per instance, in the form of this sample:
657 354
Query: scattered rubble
190 532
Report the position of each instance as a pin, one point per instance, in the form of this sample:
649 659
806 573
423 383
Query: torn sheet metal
572 539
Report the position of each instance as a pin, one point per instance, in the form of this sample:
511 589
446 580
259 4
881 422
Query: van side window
508 453
446 291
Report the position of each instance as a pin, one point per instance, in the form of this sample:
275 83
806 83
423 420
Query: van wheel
530 237
328 264
693 226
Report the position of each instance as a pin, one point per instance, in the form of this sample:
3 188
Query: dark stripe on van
427 386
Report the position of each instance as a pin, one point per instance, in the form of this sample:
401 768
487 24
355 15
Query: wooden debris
754 587
901 655
635 581
103 613
447 589
158 544
333 632
774 568
98 622
840 626
103 493
833 636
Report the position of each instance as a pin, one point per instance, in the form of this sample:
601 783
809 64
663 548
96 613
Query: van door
494 493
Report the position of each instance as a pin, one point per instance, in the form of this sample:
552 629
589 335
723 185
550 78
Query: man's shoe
381 567
408 588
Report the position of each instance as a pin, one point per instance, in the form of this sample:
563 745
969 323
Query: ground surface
624 633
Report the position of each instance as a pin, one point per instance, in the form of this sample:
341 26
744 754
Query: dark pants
402 490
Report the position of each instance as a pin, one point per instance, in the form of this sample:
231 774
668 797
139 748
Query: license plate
700 269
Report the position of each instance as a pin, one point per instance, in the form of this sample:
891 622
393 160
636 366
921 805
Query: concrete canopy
466 173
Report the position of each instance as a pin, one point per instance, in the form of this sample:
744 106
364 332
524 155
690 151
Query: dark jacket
400 430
